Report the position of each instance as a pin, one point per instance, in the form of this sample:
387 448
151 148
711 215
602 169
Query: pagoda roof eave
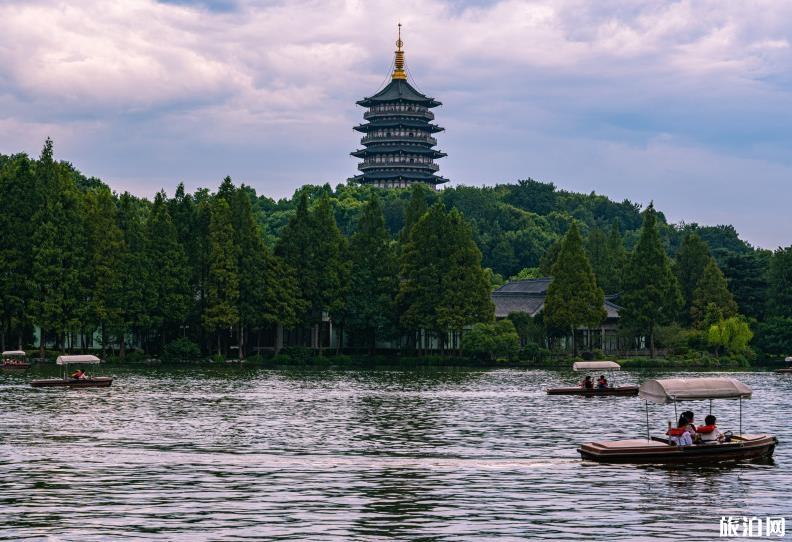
398 90
433 128
428 178
389 149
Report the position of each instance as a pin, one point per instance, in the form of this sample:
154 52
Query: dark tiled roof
506 304
527 286
399 89
528 296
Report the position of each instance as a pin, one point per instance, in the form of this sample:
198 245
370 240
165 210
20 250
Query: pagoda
398 144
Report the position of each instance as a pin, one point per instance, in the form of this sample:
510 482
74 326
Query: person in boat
79 374
709 433
602 382
587 383
679 435
691 426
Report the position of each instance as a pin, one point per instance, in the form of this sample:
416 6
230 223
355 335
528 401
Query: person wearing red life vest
679 435
709 433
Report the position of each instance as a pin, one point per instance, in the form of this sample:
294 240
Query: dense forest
213 269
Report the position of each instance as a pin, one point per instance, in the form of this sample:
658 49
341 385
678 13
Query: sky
684 103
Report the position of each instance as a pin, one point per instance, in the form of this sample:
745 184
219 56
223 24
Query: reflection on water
238 453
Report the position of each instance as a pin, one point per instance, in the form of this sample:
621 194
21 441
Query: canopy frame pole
676 417
648 437
710 406
740 415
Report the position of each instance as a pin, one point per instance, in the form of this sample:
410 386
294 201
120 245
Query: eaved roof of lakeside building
528 296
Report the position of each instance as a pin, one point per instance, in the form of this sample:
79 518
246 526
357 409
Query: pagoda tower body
398 143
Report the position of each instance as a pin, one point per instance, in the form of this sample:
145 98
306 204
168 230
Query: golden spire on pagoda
398 71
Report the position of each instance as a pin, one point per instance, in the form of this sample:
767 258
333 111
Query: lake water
237 453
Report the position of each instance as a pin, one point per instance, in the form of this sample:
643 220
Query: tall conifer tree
168 291
712 300
134 270
375 268
18 203
691 260
573 298
651 295
223 285
780 279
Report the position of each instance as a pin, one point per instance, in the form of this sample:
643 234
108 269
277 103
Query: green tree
416 208
18 203
134 270
651 295
443 286
466 294
57 250
105 249
490 341
597 251
618 259
780 279
223 286
691 260
375 269
313 246
167 290
747 276
711 296
731 334
573 297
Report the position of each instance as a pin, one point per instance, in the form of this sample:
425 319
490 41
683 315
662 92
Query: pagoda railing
394 137
365 166
378 114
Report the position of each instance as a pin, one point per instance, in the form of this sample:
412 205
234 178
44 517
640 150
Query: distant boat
14 359
582 366
788 359
70 381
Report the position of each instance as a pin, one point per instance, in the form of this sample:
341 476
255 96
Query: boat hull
787 370
96 382
621 390
658 451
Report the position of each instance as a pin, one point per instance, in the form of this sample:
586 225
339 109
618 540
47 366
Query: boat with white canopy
735 447
598 366
14 359
788 368
75 380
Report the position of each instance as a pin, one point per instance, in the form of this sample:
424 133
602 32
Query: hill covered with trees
77 257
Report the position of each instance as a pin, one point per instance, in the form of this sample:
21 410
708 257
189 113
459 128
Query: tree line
77 258
219 268
657 292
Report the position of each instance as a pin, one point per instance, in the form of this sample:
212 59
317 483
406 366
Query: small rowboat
661 451
786 369
67 382
657 450
595 392
580 366
14 359
92 382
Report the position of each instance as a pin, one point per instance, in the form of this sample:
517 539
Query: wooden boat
580 366
631 391
14 359
786 369
661 451
69 382
658 450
